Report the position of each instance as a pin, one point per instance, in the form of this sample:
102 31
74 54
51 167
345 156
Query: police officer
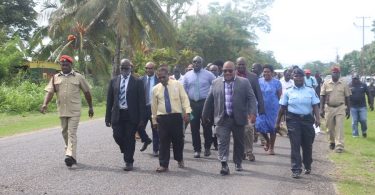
301 104
336 94
67 85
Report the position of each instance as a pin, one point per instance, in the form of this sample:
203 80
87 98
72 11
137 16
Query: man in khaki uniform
335 93
67 85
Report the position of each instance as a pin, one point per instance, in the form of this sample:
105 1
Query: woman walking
265 123
301 103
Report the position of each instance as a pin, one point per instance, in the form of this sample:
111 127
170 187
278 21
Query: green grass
11 124
355 168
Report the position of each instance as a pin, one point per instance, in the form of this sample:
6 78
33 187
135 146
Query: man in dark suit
125 110
149 81
249 129
232 102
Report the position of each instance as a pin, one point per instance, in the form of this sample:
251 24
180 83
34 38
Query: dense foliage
28 97
18 16
11 57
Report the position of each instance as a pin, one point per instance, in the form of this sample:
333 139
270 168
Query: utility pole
363 26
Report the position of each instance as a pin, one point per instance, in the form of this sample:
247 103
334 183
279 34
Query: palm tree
127 24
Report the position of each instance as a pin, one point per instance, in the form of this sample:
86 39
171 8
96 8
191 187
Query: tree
369 59
225 31
176 9
127 25
319 67
10 57
18 16
351 62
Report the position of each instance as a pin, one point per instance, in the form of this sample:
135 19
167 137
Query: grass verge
11 124
355 168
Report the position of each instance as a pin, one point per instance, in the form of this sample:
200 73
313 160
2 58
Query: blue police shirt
299 100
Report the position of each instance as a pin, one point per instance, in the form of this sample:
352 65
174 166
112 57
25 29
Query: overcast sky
309 30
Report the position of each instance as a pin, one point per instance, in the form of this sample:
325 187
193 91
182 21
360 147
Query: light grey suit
243 104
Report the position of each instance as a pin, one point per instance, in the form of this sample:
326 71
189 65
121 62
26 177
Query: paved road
33 164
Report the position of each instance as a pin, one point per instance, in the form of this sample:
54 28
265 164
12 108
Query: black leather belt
301 116
198 100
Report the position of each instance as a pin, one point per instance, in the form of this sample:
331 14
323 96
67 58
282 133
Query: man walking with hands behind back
232 103
67 85
125 110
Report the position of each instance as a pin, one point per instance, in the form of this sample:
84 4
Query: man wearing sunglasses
125 110
231 102
197 84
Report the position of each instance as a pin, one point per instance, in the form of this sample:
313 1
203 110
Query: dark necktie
148 90
168 107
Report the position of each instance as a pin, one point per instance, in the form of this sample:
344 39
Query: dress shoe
181 164
332 146
296 175
307 171
271 151
144 147
128 167
197 154
155 153
364 135
162 169
69 161
251 157
238 167
224 170
207 152
216 148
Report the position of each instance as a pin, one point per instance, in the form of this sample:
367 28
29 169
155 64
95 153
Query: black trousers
195 125
142 130
170 129
301 134
124 133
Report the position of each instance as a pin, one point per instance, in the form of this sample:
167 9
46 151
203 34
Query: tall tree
176 9
18 16
129 25
224 31
351 62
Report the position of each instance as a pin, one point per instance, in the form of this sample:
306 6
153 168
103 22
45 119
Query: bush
25 97
28 97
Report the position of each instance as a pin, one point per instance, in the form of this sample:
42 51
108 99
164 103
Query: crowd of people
223 98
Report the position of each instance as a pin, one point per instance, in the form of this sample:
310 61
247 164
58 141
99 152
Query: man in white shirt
286 82
177 75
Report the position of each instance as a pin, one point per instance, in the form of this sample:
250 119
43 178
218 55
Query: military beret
66 58
335 69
